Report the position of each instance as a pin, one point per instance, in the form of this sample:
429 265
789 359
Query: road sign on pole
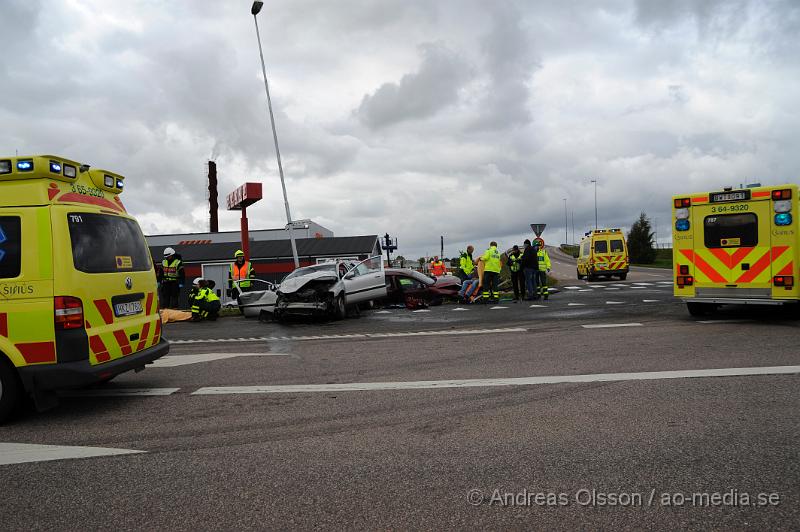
538 229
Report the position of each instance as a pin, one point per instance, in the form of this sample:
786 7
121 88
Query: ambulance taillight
782 194
783 280
68 313
682 203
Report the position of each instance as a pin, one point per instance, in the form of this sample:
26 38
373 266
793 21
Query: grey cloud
422 94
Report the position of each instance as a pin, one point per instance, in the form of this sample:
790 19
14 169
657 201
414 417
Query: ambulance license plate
128 309
601 264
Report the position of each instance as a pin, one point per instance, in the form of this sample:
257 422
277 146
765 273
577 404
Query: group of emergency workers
529 268
203 299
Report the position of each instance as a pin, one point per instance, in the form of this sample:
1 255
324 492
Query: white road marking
597 286
184 360
572 288
610 325
421 310
650 300
382 312
119 392
620 285
665 282
203 341
585 290
615 302
366 335
480 383
497 308
644 284
722 321
642 287
459 309
20 453
576 304
612 288
538 306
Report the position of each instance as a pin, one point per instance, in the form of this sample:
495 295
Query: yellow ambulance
603 253
78 301
736 247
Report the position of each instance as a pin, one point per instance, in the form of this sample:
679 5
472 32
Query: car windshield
423 278
299 272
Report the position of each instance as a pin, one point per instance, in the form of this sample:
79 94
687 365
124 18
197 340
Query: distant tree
640 241
421 261
402 260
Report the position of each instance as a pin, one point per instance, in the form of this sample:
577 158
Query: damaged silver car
330 289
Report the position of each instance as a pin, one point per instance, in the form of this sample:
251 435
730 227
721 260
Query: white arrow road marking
615 302
610 325
20 453
119 392
521 381
185 360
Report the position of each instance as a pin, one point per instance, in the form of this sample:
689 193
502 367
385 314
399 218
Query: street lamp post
566 223
595 202
255 11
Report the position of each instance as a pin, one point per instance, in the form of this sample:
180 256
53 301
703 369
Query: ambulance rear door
732 253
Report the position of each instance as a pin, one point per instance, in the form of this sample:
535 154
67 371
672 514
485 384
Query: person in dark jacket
530 269
515 267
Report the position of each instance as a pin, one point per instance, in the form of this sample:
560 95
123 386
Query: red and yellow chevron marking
722 266
612 262
115 343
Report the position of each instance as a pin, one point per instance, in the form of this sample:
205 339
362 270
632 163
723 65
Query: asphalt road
447 419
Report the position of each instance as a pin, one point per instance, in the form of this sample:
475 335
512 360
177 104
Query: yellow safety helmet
239 253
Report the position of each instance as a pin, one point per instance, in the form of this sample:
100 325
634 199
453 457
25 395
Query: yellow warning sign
124 262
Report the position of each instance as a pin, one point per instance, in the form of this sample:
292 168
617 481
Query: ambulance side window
601 246
585 249
10 247
616 246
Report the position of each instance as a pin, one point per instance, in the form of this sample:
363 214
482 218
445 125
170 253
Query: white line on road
597 286
610 325
20 453
722 321
620 285
576 304
459 309
650 300
585 290
644 284
642 287
615 302
183 360
572 288
421 310
497 308
119 392
538 306
612 288
382 312
521 381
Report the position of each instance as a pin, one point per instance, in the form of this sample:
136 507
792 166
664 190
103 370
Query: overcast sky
468 119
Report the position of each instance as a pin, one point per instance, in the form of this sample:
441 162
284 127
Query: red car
403 284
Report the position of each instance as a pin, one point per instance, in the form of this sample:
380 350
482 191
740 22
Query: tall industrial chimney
212 197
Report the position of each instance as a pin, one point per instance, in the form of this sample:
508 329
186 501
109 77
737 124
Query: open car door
366 281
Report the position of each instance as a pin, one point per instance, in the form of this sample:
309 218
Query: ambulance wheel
580 277
700 309
9 390
623 276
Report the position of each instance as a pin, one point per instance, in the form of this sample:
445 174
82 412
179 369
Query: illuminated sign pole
239 200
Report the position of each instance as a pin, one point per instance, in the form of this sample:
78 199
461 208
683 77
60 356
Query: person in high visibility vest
466 264
544 268
437 267
491 273
241 270
206 303
515 267
171 277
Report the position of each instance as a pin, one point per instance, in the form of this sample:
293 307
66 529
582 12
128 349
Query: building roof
276 249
